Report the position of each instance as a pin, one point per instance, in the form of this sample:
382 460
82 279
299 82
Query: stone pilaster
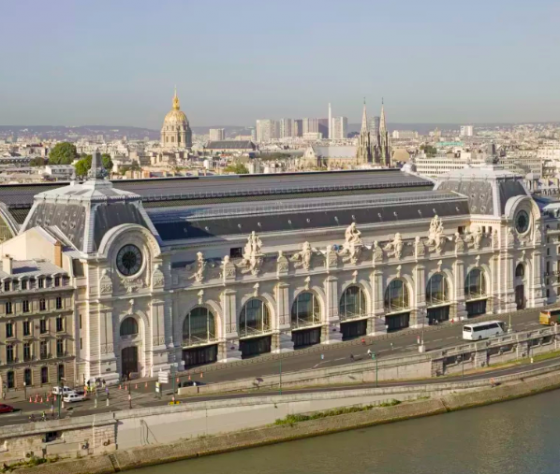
331 328
376 324
418 317
282 337
459 308
231 343
158 351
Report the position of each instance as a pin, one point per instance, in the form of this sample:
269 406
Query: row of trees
65 153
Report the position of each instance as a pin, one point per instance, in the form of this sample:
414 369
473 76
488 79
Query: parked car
64 390
74 397
6 408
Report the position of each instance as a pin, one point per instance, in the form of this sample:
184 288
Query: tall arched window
437 290
129 327
475 284
520 271
254 318
199 326
352 303
305 310
396 297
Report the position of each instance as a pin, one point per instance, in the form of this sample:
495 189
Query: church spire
364 119
382 124
176 105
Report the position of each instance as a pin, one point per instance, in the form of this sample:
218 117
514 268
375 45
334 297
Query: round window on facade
129 260
522 222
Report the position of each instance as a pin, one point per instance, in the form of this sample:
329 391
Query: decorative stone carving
302 259
377 252
200 295
282 264
252 256
331 257
475 238
512 237
105 284
436 239
353 244
306 282
396 247
199 268
419 248
134 285
459 243
495 239
228 269
158 280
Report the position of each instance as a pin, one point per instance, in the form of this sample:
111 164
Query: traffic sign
163 377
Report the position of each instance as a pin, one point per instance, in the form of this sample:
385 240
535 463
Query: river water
517 437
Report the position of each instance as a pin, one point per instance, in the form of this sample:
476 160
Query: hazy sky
116 62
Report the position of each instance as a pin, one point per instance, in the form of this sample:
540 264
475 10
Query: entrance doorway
397 321
256 346
520 296
353 329
306 337
129 360
200 355
438 315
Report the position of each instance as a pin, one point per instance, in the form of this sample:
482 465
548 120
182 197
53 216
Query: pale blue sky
116 62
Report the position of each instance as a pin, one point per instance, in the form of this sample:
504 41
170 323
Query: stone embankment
202 446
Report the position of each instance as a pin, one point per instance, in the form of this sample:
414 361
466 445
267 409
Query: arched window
475 284
352 303
305 310
254 318
396 297
199 326
129 327
437 290
44 375
520 271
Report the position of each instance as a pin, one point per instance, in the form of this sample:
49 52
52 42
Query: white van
476 331
74 397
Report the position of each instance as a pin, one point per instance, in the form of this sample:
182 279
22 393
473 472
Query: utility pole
376 372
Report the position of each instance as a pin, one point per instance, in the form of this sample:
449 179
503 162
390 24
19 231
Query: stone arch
409 284
407 295
141 340
319 294
263 316
366 288
213 306
367 306
431 289
306 313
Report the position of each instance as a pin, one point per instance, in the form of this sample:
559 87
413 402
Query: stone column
331 327
159 353
419 316
459 308
376 324
507 296
536 283
104 331
230 350
282 336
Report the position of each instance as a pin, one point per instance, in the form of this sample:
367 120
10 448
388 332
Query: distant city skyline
116 63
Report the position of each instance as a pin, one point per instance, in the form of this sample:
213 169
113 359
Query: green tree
429 150
63 153
37 161
106 161
83 166
237 168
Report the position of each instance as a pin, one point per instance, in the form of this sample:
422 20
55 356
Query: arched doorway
199 329
520 286
129 361
437 299
254 323
306 320
353 313
397 306
475 292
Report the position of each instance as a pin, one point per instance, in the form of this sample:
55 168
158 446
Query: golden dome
176 116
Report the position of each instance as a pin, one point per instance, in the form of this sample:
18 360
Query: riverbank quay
439 401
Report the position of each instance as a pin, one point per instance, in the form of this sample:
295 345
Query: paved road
398 344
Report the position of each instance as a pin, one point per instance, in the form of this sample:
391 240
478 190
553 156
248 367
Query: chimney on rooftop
7 266
58 254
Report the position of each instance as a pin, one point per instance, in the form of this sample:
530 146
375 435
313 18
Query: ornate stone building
209 277
373 149
176 132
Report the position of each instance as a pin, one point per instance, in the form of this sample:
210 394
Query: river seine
518 437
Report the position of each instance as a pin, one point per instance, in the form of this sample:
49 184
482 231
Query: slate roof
231 145
190 222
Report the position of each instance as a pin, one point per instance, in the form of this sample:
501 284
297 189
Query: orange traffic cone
36 398
120 387
136 387
125 388
41 400
189 377
146 385
30 400
201 375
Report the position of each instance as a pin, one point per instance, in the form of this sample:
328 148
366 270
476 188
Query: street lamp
376 372
60 392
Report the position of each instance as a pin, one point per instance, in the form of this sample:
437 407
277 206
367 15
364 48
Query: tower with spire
365 150
383 147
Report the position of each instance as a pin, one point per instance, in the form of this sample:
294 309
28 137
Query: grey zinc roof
231 145
32 268
191 222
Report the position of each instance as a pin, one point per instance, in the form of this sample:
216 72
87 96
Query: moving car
61 390
6 408
74 396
